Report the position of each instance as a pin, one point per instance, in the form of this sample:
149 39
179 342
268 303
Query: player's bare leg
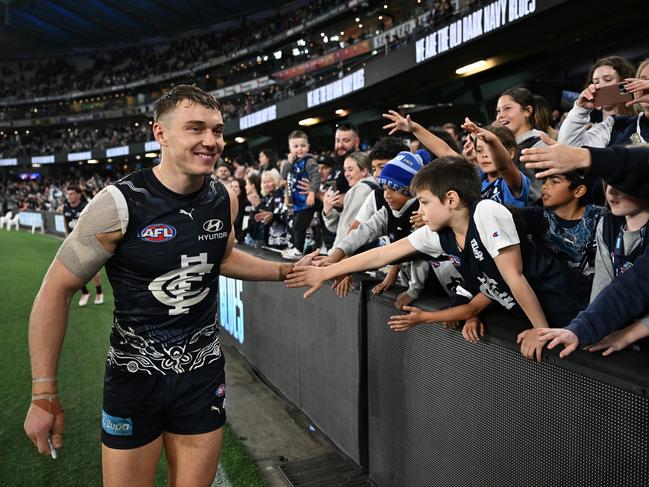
193 459
135 467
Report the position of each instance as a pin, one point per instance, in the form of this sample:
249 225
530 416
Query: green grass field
24 258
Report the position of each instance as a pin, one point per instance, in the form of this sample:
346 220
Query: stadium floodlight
277 54
239 140
307 122
357 19
341 112
472 68
93 161
150 155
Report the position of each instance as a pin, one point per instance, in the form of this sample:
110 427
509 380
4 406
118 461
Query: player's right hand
45 417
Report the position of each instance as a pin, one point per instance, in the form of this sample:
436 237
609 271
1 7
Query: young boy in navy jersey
482 234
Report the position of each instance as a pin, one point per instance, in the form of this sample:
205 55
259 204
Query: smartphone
611 95
329 185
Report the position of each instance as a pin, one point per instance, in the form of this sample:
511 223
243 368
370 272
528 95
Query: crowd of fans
487 228
38 141
567 236
46 194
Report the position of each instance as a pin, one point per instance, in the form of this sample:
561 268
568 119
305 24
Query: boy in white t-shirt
483 237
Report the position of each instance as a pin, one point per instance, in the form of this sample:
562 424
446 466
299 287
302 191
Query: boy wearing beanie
395 204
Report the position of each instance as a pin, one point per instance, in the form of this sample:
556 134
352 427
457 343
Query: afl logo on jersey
213 225
157 232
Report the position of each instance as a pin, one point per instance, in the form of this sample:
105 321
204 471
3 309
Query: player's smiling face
191 138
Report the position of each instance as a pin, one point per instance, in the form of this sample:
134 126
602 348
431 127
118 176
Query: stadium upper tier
243 85
79 75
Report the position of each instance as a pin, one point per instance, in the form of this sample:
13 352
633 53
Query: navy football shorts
140 407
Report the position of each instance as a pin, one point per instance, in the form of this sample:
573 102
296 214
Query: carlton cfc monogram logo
175 287
157 232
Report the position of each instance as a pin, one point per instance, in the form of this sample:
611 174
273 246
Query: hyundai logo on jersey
157 232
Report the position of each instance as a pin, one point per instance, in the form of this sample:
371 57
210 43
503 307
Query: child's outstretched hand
399 122
405 322
558 336
388 281
620 339
531 344
479 132
306 276
342 285
473 330
403 299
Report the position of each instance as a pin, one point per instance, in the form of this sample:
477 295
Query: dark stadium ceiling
40 26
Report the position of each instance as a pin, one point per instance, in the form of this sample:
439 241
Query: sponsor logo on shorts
220 391
157 232
116 426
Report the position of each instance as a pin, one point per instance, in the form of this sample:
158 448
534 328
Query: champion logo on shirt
496 234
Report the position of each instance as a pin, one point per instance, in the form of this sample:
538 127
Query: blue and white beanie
398 173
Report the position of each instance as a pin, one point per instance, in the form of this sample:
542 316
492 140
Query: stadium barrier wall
425 407
308 350
49 221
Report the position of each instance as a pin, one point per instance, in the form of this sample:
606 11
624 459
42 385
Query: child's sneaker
83 300
99 299
292 254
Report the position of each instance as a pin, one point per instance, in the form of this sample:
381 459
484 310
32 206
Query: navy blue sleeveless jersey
561 291
165 274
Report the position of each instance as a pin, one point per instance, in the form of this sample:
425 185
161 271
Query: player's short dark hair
298 134
76 189
387 148
170 100
449 173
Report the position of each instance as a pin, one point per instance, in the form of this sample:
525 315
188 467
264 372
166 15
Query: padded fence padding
308 350
444 412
